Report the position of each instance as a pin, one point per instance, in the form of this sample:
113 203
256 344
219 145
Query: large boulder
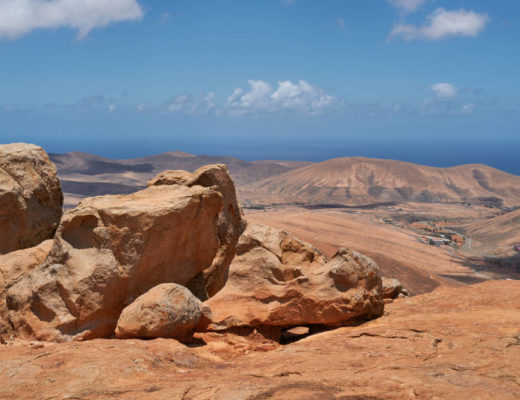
279 281
13 267
111 249
30 197
231 222
166 311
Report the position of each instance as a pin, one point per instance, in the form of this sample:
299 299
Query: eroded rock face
231 222
166 311
13 267
30 197
277 280
111 249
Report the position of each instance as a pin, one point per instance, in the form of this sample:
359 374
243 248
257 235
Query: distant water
503 156
425 149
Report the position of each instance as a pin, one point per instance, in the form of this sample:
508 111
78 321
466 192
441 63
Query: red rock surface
277 280
13 267
166 311
111 249
230 221
454 343
30 197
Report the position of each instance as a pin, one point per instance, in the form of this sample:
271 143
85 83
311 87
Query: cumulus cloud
442 24
443 94
190 104
261 97
468 108
407 6
447 99
20 17
143 107
444 90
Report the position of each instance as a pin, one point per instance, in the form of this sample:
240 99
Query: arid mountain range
84 174
356 180
341 181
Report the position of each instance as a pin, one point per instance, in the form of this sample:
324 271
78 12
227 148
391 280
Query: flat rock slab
454 343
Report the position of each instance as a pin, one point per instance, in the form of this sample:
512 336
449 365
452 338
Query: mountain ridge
338 181
354 180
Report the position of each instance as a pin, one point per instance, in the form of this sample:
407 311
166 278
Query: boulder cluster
165 261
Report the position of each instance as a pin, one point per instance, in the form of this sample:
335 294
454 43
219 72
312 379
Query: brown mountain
356 180
84 174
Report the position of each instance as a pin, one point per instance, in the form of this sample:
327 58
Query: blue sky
428 81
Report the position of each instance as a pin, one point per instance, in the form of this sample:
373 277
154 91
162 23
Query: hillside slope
356 180
495 236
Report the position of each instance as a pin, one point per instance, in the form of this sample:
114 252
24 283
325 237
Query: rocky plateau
166 293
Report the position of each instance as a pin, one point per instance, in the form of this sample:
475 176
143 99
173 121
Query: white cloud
189 104
447 99
340 22
20 17
442 24
112 107
300 97
444 90
143 107
407 6
468 108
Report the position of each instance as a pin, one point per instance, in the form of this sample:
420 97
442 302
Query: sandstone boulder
13 267
279 281
392 289
112 249
30 197
231 222
166 311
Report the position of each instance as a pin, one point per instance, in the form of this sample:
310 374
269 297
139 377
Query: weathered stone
13 267
392 288
455 343
30 197
277 280
231 222
166 311
111 249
